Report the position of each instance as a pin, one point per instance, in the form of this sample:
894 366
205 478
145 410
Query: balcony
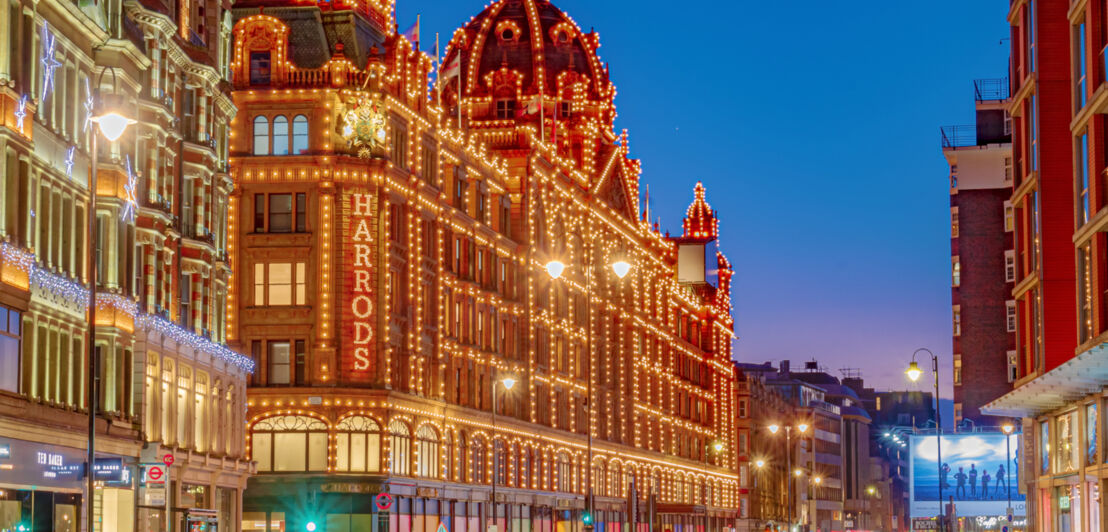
958 136
990 90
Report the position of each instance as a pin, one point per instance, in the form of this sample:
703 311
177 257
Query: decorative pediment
504 82
615 189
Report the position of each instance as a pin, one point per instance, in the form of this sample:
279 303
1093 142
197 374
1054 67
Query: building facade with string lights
406 259
168 388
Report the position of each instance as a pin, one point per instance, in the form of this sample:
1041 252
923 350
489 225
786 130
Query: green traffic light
310 527
587 518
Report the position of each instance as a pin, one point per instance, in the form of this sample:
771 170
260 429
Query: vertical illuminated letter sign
360 310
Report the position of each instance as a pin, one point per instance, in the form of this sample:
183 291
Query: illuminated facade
390 274
168 385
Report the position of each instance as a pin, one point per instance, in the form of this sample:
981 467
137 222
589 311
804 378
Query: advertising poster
976 473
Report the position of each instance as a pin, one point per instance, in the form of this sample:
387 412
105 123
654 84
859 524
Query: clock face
363 125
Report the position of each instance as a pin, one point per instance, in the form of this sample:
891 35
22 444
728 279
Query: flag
452 67
532 107
413 33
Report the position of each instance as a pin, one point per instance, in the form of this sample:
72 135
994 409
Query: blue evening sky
815 128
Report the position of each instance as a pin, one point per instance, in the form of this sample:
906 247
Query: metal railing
958 136
993 89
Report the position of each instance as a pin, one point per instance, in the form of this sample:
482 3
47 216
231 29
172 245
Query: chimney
784 367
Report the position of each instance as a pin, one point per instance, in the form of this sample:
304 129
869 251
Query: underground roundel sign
383 501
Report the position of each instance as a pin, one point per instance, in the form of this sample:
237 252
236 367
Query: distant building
762 462
982 256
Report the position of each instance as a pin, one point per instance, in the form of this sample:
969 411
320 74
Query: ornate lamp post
507 383
110 123
621 268
801 428
914 373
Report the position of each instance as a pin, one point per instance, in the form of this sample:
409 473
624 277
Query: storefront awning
1082 375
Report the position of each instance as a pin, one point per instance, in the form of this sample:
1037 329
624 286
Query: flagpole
417 30
459 90
438 72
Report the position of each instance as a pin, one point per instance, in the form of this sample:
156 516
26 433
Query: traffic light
310 527
586 517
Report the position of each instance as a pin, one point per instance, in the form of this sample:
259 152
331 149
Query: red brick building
982 258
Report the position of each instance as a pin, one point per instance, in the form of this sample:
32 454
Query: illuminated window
289 443
261 135
299 134
280 362
565 472
358 445
281 213
398 144
957 370
280 284
957 312
280 135
400 448
956 272
428 459
954 222
1013 366
477 461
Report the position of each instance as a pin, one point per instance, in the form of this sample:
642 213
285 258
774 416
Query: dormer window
563 37
508 34
565 109
259 68
505 109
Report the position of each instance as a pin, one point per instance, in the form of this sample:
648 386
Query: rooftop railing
987 90
958 136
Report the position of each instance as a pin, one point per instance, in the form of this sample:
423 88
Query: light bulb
113 124
508 383
913 371
622 268
555 269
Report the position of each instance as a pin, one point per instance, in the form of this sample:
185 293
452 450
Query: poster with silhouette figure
977 470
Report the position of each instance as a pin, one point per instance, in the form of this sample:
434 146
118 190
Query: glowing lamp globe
913 372
803 427
718 446
508 383
113 124
760 464
774 428
310 527
1007 428
555 269
622 268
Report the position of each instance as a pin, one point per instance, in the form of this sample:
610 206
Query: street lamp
914 373
870 491
801 428
1008 428
110 123
507 383
621 268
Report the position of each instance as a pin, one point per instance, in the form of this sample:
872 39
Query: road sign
168 459
442 527
155 495
383 501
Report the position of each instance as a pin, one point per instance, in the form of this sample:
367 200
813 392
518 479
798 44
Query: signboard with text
359 300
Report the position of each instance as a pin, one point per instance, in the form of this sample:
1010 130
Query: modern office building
982 256
425 279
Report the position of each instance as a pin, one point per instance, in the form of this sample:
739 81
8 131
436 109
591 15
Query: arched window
525 468
428 461
289 443
448 456
299 134
280 135
477 461
358 445
616 473
565 472
599 484
261 135
400 449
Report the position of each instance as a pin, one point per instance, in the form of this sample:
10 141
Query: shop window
400 449
9 349
358 445
1091 440
1066 451
299 134
428 458
289 443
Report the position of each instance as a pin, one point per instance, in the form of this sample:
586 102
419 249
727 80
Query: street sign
925 523
442 527
168 459
155 473
383 501
155 495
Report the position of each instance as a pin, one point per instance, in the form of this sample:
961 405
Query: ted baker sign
361 286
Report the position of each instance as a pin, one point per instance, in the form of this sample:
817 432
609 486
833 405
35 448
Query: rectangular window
184 309
280 213
1083 203
957 370
1080 74
301 362
301 212
1009 217
957 320
259 68
278 362
429 164
1007 160
954 222
1085 264
259 213
1010 308
9 349
280 284
955 272
1091 443
1013 366
505 109
398 144
1010 266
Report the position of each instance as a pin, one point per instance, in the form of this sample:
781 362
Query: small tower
700 221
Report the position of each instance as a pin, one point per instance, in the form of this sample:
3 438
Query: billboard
976 473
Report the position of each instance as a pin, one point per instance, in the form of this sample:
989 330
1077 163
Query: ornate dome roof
517 47
700 220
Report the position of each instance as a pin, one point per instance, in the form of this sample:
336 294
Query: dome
516 48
